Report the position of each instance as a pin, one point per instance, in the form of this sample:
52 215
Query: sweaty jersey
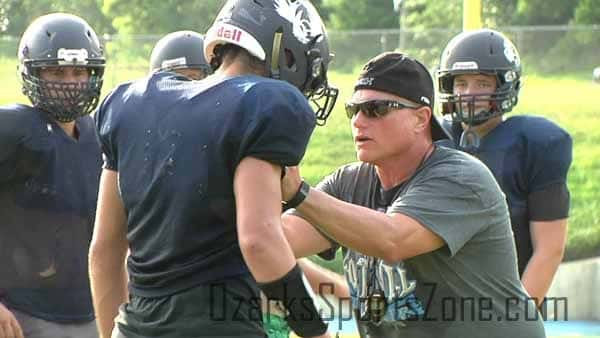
530 157
176 145
467 288
48 192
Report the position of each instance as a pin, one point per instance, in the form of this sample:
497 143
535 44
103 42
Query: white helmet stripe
222 33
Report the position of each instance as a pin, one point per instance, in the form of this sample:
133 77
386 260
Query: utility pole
399 8
471 14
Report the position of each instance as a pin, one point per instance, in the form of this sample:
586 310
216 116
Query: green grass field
569 101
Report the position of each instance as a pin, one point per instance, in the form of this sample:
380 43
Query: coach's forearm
324 281
108 278
365 230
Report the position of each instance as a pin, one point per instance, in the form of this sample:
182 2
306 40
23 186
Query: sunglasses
375 108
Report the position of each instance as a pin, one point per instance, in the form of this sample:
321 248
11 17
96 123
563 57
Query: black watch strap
298 197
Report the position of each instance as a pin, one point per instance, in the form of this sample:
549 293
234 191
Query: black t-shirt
48 192
176 145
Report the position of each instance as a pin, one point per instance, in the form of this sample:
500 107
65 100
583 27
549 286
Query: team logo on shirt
369 277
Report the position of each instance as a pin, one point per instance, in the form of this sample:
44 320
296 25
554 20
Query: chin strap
469 141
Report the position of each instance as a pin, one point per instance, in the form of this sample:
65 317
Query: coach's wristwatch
298 197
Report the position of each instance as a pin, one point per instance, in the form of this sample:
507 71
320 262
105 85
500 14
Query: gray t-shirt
469 287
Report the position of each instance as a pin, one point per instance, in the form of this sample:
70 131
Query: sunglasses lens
371 109
375 109
381 109
351 109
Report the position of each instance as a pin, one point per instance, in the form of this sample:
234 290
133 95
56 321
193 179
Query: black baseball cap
401 75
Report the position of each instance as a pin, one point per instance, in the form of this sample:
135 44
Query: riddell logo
229 33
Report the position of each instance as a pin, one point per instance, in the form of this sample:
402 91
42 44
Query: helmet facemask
466 108
64 101
317 90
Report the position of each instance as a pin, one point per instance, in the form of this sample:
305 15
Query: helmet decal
300 16
72 56
465 65
511 53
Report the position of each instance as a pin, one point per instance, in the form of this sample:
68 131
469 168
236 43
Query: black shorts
228 308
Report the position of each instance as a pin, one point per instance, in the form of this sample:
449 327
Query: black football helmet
483 51
179 50
288 35
61 40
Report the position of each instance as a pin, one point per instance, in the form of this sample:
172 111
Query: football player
191 181
50 163
181 52
479 81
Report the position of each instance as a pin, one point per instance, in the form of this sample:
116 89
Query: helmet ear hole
290 60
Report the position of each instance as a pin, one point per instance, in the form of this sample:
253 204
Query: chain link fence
545 50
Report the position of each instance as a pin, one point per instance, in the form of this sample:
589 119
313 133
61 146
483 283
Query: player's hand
290 183
9 327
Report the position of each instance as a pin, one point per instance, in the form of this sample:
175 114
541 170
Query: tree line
162 16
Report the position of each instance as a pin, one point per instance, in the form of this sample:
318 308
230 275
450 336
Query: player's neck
235 69
489 125
69 128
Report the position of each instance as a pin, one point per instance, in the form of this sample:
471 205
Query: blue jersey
176 145
48 192
530 157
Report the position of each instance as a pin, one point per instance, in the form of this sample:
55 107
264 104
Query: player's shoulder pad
277 100
272 86
16 120
117 95
18 112
537 130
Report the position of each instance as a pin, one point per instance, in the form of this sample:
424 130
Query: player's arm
548 206
258 209
108 249
257 189
12 133
304 239
548 240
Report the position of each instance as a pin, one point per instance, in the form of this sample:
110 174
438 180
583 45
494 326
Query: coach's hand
290 183
9 327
